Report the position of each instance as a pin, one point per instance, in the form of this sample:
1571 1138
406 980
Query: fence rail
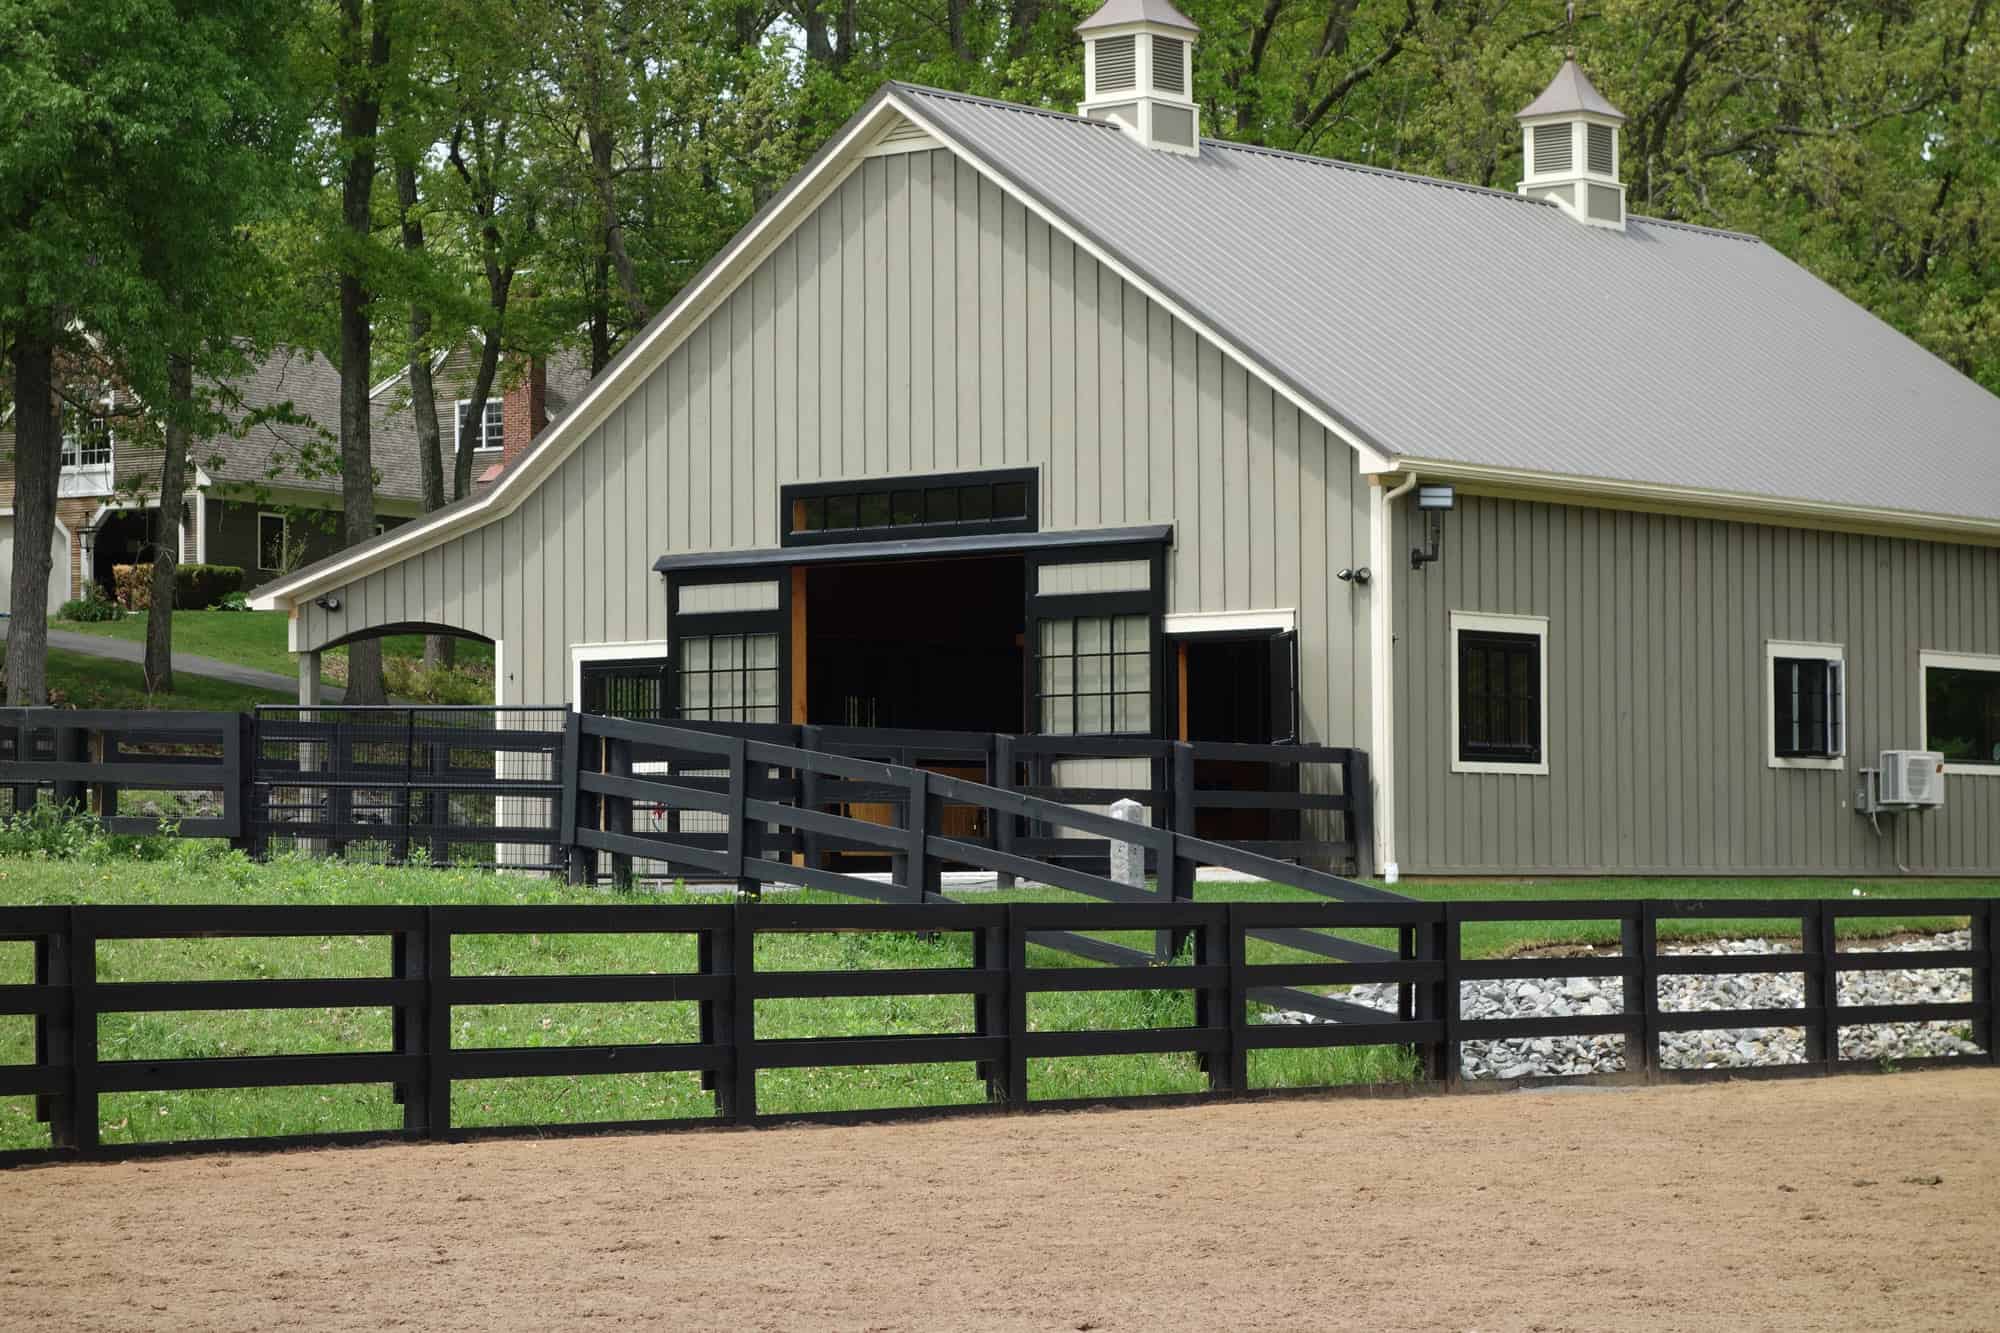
66 1000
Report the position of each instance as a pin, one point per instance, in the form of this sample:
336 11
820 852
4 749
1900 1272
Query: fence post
809 798
1636 969
1822 987
410 960
1015 936
82 1112
239 795
53 1032
70 747
925 818
1452 951
1426 999
1986 980
618 809
741 843
437 1022
576 858
1002 832
1177 873
24 753
1357 784
399 849
742 1025
1236 1054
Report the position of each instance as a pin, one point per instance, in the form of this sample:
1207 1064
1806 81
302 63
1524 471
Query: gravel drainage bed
1724 1048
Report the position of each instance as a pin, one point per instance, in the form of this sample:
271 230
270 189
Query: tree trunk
438 648
167 547
360 117
37 464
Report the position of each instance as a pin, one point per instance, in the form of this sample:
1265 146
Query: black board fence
66 1000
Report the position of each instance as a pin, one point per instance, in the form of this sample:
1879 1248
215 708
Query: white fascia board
1226 622
630 650
1740 506
608 391
1367 452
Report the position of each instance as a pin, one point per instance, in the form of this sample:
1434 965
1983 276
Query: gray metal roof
1569 91
1115 13
1447 323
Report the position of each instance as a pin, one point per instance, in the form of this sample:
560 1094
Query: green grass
192 873
92 682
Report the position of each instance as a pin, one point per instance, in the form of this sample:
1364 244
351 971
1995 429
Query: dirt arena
1861 1202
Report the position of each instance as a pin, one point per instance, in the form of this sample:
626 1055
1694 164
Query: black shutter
1285 687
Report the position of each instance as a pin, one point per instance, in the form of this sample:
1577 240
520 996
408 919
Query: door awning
916 548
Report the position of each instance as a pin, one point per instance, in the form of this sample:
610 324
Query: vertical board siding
918 320
1657 747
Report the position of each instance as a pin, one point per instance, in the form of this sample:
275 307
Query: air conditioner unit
1912 778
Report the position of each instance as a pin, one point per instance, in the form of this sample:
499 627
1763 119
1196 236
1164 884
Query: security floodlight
1435 497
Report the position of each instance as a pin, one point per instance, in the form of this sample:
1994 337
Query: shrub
196 587
89 607
232 601
51 832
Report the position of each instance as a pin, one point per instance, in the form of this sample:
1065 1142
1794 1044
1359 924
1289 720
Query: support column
309 679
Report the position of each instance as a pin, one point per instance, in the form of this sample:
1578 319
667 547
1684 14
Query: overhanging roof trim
995 543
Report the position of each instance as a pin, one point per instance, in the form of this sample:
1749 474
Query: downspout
1381 668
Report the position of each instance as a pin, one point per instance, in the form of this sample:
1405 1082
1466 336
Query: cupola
1569 149
1138 71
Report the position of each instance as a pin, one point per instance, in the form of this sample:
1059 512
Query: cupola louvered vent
1552 148
1169 64
1117 63
1598 149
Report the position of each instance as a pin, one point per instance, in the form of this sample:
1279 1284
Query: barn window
1498 693
945 505
1095 675
729 677
638 689
1961 710
1808 712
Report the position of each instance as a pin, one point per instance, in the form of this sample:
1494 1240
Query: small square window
1806 714
1010 499
975 503
875 509
907 507
843 512
1498 705
941 505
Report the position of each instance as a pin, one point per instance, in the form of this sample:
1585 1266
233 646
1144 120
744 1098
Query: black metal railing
67 1001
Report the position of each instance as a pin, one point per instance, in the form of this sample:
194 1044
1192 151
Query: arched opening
469 677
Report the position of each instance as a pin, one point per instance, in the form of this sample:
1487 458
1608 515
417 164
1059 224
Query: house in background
1621 545
266 498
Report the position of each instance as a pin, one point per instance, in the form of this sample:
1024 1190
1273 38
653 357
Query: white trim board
633 649
1825 652
1928 658
737 261
1496 623
1226 622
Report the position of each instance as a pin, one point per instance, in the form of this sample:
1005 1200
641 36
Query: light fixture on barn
1432 502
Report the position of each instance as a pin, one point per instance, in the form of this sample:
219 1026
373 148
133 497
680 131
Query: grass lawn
93 682
192 873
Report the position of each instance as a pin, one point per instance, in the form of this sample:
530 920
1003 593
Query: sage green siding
919 320
1656 723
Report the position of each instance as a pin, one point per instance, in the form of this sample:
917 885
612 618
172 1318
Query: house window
951 505
1961 710
1095 675
492 425
272 542
1807 717
636 689
87 444
1499 699
729 677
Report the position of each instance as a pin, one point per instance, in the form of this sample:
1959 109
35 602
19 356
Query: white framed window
492 425
273 538
1499 693
1958 703
86 442
1805 704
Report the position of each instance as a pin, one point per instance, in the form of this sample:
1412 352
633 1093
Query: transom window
88 443
492 426
1096 675
1961 705
729 677
1499 698
956 504
1808 713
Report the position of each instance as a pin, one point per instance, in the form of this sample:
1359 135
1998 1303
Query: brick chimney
524 411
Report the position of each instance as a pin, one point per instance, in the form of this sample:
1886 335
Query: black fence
1230 1025
488 786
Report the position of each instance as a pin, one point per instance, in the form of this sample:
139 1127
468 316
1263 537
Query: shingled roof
1449 324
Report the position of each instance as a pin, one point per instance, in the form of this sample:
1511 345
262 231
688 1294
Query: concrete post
309 679
1128 859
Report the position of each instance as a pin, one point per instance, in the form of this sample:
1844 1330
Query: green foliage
196 587
93 607
46 831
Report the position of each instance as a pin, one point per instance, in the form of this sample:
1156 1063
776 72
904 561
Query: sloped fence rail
66 1000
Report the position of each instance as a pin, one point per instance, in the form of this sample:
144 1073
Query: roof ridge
1002 104
1750 236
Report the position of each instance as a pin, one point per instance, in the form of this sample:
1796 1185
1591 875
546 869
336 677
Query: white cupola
1569 149
1138 70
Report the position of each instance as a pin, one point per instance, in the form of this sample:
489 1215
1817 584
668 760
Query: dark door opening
934 645
1241 690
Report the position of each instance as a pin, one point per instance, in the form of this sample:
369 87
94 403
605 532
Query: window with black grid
1806 708
1095 675
729 677
1499 697
958 504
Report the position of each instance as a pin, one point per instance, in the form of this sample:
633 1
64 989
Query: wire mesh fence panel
472 786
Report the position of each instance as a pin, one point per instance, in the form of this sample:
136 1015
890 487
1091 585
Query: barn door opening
1241 689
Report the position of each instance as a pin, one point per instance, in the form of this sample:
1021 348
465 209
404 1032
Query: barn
1620 545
